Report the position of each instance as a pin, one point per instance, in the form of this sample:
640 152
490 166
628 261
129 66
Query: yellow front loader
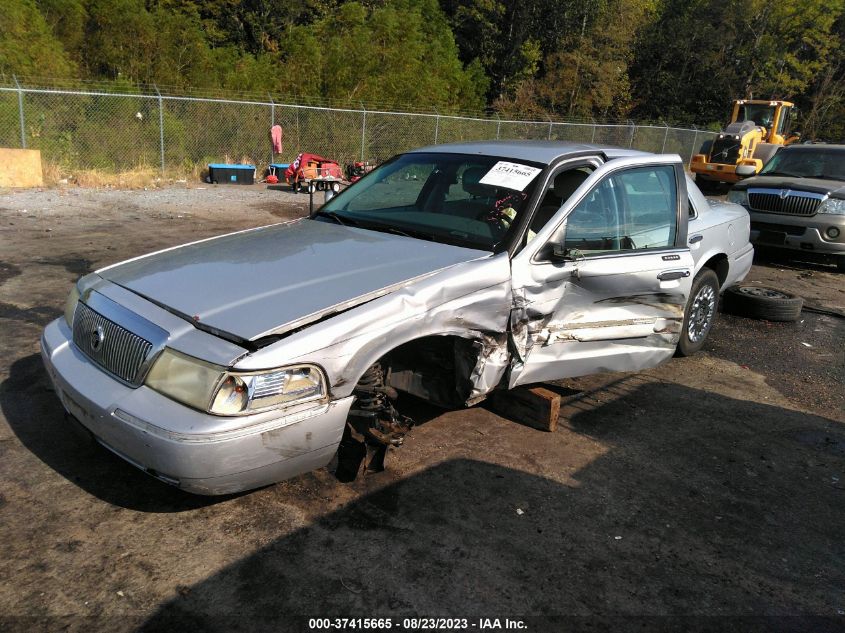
756 131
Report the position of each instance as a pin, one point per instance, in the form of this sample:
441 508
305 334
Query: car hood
816 185
274 279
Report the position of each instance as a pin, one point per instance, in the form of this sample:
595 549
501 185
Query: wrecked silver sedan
448 272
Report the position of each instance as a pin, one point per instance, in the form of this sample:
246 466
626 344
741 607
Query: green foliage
27 45
672 60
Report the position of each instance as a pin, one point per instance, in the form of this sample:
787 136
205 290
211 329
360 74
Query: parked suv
797 202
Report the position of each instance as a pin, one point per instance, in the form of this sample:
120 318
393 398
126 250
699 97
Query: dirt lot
712 487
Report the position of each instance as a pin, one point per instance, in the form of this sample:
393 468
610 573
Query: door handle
669 275
695 239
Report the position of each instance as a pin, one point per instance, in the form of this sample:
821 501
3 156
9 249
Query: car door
603 285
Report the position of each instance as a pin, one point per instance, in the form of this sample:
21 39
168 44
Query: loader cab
775 116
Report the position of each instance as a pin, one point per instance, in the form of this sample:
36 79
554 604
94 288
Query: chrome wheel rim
755 291
701 314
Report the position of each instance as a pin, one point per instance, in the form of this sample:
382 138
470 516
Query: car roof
536 151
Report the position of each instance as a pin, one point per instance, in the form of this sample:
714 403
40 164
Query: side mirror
744 171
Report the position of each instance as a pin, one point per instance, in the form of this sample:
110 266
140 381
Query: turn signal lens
738 196
232 396
70 305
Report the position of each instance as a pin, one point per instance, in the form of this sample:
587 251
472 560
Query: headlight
832 205
70 305
738 196
216 390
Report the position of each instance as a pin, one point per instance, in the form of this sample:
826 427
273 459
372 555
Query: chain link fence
117 131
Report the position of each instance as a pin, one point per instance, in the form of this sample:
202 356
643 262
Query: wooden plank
20 168
536 407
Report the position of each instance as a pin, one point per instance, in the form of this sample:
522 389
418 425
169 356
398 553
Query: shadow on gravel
36 416
702 506
794 260
804 361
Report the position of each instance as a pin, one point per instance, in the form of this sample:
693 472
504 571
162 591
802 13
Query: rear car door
603 285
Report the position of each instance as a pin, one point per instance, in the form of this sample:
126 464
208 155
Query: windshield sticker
510 175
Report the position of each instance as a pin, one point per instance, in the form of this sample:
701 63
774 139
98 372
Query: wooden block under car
536 407
20 168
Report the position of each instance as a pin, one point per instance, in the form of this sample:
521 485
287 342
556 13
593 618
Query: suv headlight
738 196
834 206
215 389
70 305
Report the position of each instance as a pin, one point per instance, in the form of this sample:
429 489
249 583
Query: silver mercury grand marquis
447 272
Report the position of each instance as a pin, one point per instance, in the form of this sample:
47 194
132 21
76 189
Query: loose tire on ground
759 302
700 313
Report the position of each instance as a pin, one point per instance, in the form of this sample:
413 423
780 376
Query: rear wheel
700 313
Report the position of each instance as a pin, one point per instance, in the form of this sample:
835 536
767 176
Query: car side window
630 210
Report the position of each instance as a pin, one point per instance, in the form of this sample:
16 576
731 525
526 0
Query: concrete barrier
20 168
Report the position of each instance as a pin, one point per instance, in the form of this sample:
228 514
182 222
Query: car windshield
807 162
465 200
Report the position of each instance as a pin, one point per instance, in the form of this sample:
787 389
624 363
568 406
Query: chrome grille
111 346
784 201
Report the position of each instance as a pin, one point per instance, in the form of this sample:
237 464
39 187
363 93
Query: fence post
20 110
363 131
633 128
298 133
694 144
550 127
593 139
436 126
272 123
665 137
160 126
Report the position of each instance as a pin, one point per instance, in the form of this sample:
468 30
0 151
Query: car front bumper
799 234
137 424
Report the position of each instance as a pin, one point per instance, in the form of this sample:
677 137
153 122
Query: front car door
603 285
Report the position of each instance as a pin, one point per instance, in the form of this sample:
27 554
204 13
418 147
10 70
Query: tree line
676 61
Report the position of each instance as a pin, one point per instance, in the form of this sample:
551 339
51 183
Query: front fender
471 300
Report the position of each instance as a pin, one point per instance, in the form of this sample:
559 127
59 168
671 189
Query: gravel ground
710 487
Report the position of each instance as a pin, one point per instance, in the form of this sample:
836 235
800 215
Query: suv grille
111 346
725 151
793 203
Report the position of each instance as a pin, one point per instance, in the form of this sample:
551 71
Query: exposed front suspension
373 425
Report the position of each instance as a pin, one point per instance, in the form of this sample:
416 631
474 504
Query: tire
765 151
840 263
706 146
708 186
759 302
700 313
